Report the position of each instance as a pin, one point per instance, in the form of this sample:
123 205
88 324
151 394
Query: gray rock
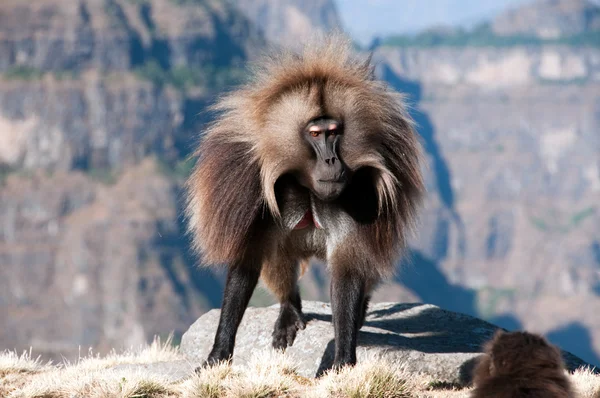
420 338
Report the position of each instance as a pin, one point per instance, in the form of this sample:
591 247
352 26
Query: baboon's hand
289 322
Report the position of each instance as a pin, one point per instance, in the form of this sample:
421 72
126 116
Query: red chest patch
307 221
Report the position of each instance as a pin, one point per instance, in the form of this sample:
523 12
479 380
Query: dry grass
586 383
369 379
13 363
269 374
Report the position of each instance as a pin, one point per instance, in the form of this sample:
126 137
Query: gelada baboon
313 157
518 365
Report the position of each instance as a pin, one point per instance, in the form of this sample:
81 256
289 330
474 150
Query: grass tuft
210 383
145 389
369 379
11 363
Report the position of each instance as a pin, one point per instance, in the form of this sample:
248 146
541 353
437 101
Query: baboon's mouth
307 221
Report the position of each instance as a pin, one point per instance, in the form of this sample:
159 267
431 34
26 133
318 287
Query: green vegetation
28 73
489 298
579 81
483 36
189 2
22 73
179 170
181 77
104 175
562 223
185 77
578 217
66 74
5 171
539 223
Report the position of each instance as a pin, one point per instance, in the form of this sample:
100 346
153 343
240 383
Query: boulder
420 338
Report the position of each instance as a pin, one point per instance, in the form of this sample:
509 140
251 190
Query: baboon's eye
315 133
333 130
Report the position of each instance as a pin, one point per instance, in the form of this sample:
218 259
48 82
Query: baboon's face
325 174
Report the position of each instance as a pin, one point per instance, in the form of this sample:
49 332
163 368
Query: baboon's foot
339 364
214 358
288 323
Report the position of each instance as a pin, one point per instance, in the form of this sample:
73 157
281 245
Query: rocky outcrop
420 338
92 122
494 68
549 19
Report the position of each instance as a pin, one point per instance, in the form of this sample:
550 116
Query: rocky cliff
92 262
491 68
290 22
549 19
120 34
511 231
108 82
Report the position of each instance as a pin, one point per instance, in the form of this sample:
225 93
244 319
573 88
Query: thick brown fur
242 203
521 364
232 184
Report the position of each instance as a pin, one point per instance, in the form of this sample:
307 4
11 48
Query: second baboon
519 365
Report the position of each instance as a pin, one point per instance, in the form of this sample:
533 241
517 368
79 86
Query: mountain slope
512 222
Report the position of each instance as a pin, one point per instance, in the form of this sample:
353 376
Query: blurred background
101 102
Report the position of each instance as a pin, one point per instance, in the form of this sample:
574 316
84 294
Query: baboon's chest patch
308 221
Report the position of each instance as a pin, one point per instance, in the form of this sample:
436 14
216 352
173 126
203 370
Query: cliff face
291 22
549 19
101 85
92 122
492 68
92 263
119 34
511 224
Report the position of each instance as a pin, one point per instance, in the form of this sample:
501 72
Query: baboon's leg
241 281
370 286
348 292
281 276
363 309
